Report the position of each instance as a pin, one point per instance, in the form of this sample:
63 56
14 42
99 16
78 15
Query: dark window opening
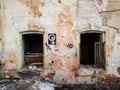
87 49
33 43
33 49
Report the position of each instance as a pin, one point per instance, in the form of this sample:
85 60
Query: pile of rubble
101 84
29 78
38 83
33 79
25 84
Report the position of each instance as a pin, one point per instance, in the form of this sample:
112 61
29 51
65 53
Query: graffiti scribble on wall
34 7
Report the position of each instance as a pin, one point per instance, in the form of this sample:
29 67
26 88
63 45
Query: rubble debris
31 78
29 73
49 77
109 78
6 74
10 74
35 83
43 86
25 84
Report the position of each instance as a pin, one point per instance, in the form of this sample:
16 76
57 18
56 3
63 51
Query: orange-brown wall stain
1 25
118 70
65 26
118 43
1 33
33 6
66 64
11 61
33 26
107 51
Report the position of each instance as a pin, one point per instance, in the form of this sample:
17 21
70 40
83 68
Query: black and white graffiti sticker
52 38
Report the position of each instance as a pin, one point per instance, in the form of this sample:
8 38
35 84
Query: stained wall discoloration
118 43
11 61
118 70
67 19
113 5
1 32
33 26
64 57
1 35
33 6
113 17
59 1
112 21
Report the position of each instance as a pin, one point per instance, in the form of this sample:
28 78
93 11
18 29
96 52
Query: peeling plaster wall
66 18
48 16
1 31
113 21
89 18
114 61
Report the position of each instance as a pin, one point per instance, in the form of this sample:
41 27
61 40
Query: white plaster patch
114 61
100 6
42 86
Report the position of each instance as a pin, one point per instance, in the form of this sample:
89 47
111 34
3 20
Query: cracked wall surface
67 19
1 31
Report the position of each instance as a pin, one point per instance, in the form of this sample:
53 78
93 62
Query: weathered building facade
70 38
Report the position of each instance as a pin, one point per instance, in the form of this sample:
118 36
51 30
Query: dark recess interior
87 47
33 43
